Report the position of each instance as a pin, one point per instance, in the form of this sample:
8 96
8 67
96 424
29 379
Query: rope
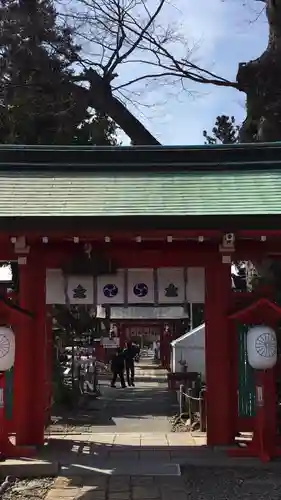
191 397
179 421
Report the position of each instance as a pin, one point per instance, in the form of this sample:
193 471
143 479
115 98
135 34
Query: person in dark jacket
117 367
130 353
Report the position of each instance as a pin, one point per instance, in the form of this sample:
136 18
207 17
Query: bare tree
121 34
130 32
261 81
130 35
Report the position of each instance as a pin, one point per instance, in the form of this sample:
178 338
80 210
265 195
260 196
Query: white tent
189 348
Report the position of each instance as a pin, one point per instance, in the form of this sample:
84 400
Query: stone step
28 468
150 369
124 468
151 374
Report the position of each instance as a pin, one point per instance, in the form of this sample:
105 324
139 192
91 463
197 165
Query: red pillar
220 417
49 360
40 353
122 335
162 349
24 374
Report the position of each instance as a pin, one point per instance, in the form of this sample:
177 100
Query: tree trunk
261 81
100 97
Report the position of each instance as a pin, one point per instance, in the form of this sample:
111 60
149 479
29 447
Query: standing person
129 354
117 368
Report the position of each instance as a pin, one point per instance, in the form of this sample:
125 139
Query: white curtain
81 289
171 285
54 287
195 287
140 286
110 289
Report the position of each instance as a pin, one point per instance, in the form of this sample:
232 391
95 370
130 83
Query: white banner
54 287
195 287
110 289
171 285
81 289
140 286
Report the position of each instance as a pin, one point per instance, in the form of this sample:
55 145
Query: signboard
110 343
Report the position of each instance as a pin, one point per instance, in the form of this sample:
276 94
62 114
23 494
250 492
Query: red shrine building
150 230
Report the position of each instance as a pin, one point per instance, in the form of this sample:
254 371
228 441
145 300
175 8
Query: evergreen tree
225 131
38 102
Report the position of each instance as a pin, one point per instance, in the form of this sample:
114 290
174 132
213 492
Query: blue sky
227 33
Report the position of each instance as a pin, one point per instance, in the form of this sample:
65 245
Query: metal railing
187 400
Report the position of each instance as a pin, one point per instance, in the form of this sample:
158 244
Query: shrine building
149 232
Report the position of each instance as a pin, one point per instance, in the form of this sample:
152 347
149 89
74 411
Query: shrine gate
140 208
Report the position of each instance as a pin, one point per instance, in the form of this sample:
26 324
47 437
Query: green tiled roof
49 193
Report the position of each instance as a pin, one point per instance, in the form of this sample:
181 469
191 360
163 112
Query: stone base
28 469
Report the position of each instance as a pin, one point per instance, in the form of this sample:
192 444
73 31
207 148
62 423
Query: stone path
131 455
121 488
142 408
147 407
196 483
121 452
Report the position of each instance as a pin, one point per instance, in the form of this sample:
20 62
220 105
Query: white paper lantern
7 348
261 347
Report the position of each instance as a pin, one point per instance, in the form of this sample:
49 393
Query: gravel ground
32 489
232 484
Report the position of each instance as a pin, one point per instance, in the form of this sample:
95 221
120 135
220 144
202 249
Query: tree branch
99 96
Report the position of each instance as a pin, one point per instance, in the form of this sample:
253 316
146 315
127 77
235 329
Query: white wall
191 348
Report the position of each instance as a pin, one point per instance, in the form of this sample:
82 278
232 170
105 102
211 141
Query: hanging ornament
262 347
7 348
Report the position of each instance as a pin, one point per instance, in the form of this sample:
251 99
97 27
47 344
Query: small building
189 351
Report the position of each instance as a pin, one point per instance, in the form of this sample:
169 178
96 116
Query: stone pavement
144 408
196 483
115 451
129 453
147 407
118 488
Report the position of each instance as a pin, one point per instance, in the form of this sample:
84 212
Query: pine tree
225 131
38 101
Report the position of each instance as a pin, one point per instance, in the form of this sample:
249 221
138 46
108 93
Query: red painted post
3 427
220 418
49 360
122 335
40 358
162 348
23 370
234 374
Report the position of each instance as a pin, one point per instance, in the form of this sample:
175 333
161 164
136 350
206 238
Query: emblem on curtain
79 292
110 290
140 290
171 291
